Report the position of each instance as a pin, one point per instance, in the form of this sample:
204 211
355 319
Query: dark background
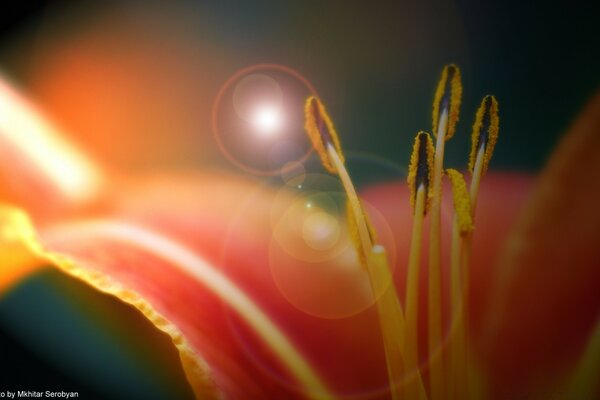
375 64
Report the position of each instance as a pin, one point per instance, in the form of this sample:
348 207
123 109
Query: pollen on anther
447 97
462 201
420 169
321 131
485 131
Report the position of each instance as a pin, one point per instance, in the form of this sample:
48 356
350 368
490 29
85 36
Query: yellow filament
455 88
392 323
445 117
393 327
312 128
353 229
461 227
483 113
476 178
460 375
414 165
419 199
391 318
457 371
436 369
412 286
364 244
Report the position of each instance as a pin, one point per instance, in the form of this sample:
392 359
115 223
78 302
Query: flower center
448 366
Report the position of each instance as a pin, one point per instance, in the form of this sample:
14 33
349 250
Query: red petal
155 246
229 224
546 300
500 201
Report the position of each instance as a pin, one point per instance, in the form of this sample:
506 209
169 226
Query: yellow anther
321 131
354 233
447 97
420 169
462 201
485 131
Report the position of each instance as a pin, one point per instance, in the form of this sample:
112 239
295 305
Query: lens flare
313 262
267 120
258 119
253 89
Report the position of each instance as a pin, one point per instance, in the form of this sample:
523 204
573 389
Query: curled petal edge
26 253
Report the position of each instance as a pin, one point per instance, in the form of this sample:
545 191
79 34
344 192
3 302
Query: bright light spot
267 119
308 205
299 186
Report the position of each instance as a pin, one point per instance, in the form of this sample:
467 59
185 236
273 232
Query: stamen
462 202
461 227
447 98
325 141
485 131
419 177
446 107
420 169
321 132
483 139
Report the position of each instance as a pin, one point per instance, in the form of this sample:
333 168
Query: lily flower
263 295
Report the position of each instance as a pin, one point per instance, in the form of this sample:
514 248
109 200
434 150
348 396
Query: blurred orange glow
62 169
125 85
